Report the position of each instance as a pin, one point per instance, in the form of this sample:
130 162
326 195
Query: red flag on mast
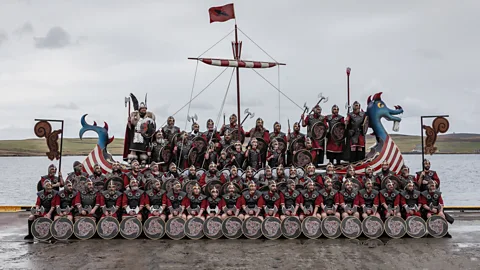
222 13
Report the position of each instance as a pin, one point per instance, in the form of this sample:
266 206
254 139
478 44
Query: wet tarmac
461 251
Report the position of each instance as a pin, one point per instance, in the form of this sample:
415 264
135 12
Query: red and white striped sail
96 157
237 63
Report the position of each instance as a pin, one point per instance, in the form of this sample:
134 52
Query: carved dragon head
377 109
102 132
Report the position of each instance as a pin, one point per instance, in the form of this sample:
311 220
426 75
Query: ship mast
237 50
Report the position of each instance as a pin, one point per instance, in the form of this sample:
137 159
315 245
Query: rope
301 108
258 46
279 120
216 43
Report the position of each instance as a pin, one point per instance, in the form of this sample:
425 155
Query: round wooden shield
200 144
211 184
395 227
338 132
312 227
192 156
108 227
302 158
84 228
41 228
167 185
331 227
272 228
130 227
175 228
351 227
118 181
297 144
232 227
154 228
395 180
148 127
319 131
224 189
291 227
437 226
365 125
79 183
188 186
262 145
416 227
372 227
212 227
166 154
194 228
234 134
282 144
62 228
252 227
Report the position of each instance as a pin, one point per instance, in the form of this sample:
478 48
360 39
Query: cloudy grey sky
62 59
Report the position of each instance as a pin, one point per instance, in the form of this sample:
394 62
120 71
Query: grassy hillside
451 143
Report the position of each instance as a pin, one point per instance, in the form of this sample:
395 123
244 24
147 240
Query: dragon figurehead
376 110
102 132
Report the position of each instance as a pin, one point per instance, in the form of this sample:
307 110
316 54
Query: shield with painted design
108 227
166 154
175 228
282 144
188 186
194 228
117 181
148 127
351 227
312 227
232 227
319 131
338 132
200 144
252 227
224 189
214 183
416 227
212 227
79 183
61 228
297 144
272 228
262 145
372 227
437 226
331 227
291 227
365 125
41 228
302 158
395 227
130 227
395 180
154 228
167 185
84 228
193 155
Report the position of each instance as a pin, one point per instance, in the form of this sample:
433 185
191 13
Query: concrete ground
462 251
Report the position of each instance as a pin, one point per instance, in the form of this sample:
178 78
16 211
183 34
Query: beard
175 173
212 171
142 114
117 171
97 173
192 176
134 188
160 140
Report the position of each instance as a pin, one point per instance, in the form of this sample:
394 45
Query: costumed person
368 200
330 200
266 177
174 199
238 155
211 134
157 144
233 127
43 206
134 173
211 175
78 176
171 174
170 131
133 200
253 156
410 200
229 203
251 201
390 200
191 175
86 202
356 132
275 156
351 175
334 147
330 173
281 177
383 175
313 151
211 156
226 141
311 201
259 131
151 174
423 177
195 203
110 201
311 174
277 133
432 201
182 149
272 200
292 175
224 161
232 177
64 201
116 171
213 201
292 146
309 121
248 176
154 200
56 181
98 178
368 175
292 199
347 200
140 123
405 177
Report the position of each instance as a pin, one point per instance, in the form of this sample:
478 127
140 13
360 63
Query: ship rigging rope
216 43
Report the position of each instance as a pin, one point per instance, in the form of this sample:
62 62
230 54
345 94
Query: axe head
127 99
252 115
195 118
247 111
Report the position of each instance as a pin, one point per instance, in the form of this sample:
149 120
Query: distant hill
458 143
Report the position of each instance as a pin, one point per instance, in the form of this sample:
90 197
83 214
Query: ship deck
462 250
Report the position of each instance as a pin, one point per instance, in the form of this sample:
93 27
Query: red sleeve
222 178
146 199
282 200
319 179
341 199
261 202
186 202
124 200
305 121
359 200
422 200
325 121
299 199
78 199
126 181
285 138
240 202
376 201
436 178
100 200
167 200
221 204
56 201
38 201
378 180
201 182
397 200
402 201
440 200
119 201
266 137
359 178
142 200
338 198
204 204
382 198
319 200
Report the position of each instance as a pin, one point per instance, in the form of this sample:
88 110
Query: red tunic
101 203
361 137
265 137
332 146
315 143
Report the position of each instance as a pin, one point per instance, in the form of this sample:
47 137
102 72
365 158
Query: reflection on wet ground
460 251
